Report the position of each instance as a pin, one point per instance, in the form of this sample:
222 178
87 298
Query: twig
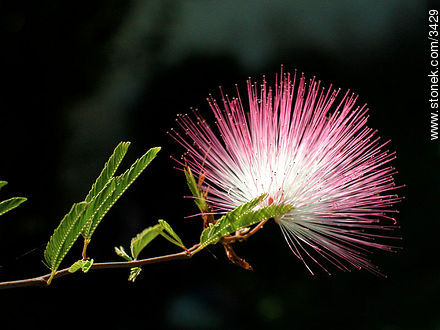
241 237
42 280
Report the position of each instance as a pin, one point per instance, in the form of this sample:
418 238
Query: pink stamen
287 142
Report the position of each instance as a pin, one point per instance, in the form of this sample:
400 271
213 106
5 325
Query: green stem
84 251
52 275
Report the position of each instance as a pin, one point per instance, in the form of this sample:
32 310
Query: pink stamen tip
306 146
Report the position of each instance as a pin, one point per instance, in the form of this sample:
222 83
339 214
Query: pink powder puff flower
305 146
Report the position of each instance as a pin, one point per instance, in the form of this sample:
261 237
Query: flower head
306 146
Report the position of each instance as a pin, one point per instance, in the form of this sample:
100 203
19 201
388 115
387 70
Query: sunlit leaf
77 265
10 204
64 236
87 264
134 273
84 265
120 251
121 182
96 210
3 183
142 239
241 217
229 217
172 237
199 198
109 170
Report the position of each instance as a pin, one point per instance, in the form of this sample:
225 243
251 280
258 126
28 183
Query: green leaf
87 264
77 265
127 178
84 265
230 216
142 239
10 204
122 183
241 217
64 236
3 183
109 170
173 237
120 251
199 198
96 210
134 273
103 188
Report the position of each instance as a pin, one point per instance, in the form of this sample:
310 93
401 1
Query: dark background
78 77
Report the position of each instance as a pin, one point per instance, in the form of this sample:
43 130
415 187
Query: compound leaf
241 217
134 273
199 198
109 170
96 210
121 184
77 265
84 265
127 178
172 237
142 239
9 204
229 217
64 236
87 264
120 251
